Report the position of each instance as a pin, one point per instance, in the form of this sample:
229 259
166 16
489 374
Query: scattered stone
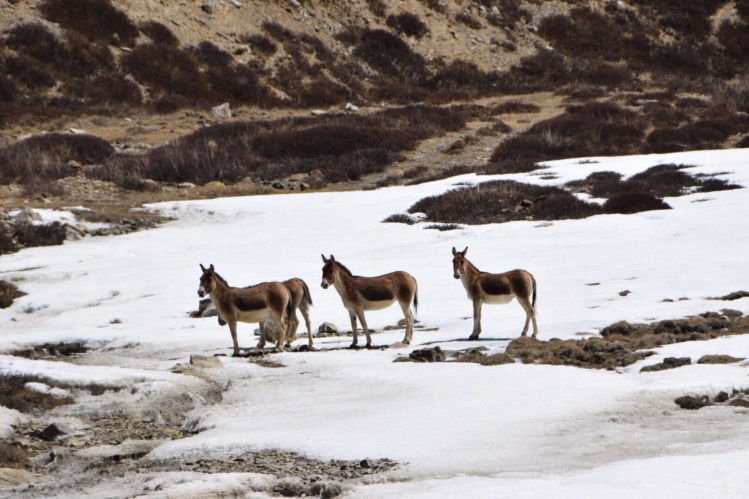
208 7
350 107
77 131
721 397
56 430
27 215
668 363
718 359
234 3
319 112
186 185
625 292
205 362
295 4
692 403
221 111
277 185
327 328
434 354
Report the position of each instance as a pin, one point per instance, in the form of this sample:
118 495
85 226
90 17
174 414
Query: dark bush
503 201
582 92
585 34
515 107
743 143
634 202
106 89
169 70
35 40
443 227
8 91
29 72
390 55
449 172
377 7
468 20
46 156
279 32
8 293
415 171
703 134
79 57
408 24
158 33
210 55
169 104
461 75
95 19
30 235
262 43
510 166
42 187
400 218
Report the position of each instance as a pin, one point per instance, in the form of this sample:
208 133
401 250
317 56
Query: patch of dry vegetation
15 395
8 293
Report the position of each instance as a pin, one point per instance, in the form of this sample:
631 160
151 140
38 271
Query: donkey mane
221 279
344 268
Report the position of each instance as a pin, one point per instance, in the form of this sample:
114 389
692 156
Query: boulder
221 111
205 362
327 328
351 107
27 215
55 430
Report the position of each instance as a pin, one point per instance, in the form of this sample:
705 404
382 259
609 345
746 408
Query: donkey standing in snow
495 289
371 293
253 304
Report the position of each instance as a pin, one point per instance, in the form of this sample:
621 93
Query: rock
319 112
718 359
236 4
351 107
721 397
186 185
327 328
692 403
625 292
364 463
208 7
55 430
739 403
221 111
526 203
205 362
77 131
428 355
12 478
294 3
75 165
27 215
668 363
150 185
190 371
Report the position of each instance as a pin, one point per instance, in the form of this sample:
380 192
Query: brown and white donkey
253 304
495 289
371 293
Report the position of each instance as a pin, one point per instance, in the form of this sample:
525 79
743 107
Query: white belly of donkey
377 305
254 316
498 299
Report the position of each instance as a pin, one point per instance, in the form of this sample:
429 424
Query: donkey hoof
473 338
406 342
353 346
236 354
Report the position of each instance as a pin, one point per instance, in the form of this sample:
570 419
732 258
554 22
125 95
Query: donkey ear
332 258
464 251
211 268
454 252
324 260
202 268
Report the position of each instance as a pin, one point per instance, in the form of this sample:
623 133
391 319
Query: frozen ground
464 429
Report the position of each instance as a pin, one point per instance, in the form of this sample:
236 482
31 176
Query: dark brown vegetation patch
593 353
476 356
733 296
668 363
14 395
400 218
8 293
13 456
737 398
408 24
503 201
336 147
719 359
96 19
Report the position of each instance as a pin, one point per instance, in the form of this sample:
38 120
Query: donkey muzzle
456 275
201 292
324 284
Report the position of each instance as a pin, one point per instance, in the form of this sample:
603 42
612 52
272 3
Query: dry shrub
30 235
8 293
515 107
743 143
451 171
691 19
462 76
106 89
279 32
262 43
45 156
582 92
634 202
158 33
13 456
390 55
444 227
8 91
467 19
95 19
35 40
510 166
210 55
408 24
503 201
734 37
377 7
29 72
42 187
415 171
702 134
593 353
14 395
400 218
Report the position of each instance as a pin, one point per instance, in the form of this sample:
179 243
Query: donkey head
207 281
459 261
328 271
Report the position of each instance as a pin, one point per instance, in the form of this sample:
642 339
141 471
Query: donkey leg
363 321
261 343
352 316
283 326
308 322
409 323
476 320
530 315
233 329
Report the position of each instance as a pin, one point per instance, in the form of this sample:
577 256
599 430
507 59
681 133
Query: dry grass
95 19
14 395
8 293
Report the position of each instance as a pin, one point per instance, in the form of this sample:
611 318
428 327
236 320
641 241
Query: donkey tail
306 296
416 298
533 303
